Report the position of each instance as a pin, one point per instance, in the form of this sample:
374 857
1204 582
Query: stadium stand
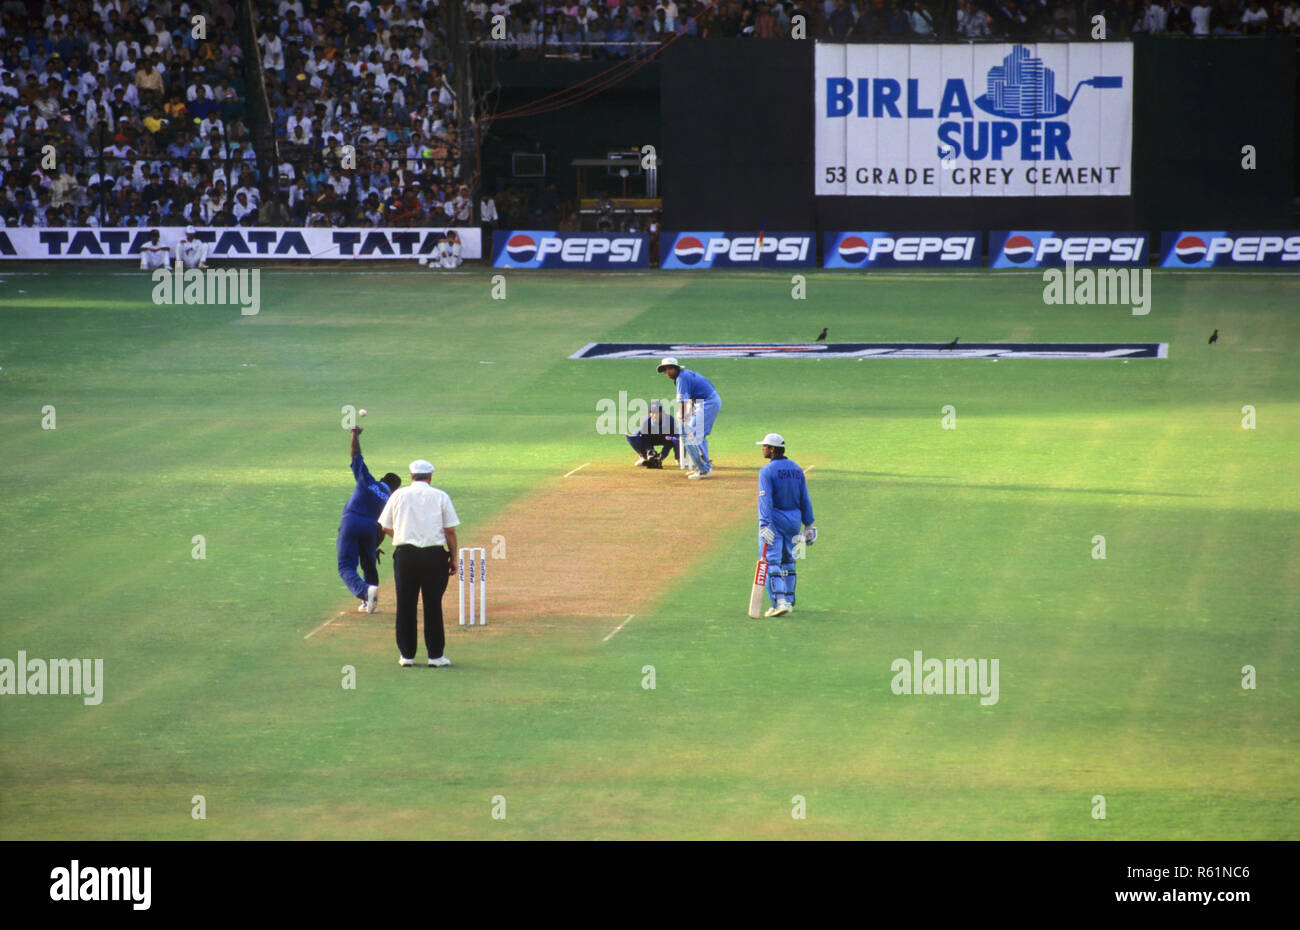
113 113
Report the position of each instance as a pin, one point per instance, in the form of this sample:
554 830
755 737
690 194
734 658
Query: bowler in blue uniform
783 506
705 403
359 530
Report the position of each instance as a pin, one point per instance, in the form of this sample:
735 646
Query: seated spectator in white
1254 20
372 211
209 125
460 208
340 184
214 199
1291 18
1201 13
449 250
922 20
153 254
1153 18
191 251
972 23
241 207
670 14
125 95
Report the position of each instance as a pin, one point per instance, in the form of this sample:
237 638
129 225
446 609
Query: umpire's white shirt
418 514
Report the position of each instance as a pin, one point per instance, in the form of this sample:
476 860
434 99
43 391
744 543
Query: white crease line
617 628
323 625
579 468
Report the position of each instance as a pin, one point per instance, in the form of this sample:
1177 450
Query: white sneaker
406 663
780 610
440 662
700 475
640 461
372 598
363 607
691 473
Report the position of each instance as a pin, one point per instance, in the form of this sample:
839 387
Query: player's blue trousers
780 566
358 542
698 430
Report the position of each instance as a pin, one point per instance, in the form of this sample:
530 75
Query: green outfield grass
1119 677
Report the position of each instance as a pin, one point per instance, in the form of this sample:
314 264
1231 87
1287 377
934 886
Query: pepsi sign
1230 249
1018 248
901 250
534 248
686 250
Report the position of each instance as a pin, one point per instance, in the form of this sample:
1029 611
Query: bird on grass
822 337
951 345
1214 337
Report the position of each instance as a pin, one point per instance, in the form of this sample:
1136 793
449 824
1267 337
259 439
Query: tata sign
545 248
901 250
1230 249
685 250
1047 120
1024 248
237 243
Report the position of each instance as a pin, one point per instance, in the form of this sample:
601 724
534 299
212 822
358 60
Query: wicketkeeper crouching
783 505
658 434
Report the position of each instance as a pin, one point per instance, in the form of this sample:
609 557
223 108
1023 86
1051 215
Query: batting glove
767 535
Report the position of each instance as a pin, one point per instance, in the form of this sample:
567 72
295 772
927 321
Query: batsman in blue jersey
695 390
783 507
359 531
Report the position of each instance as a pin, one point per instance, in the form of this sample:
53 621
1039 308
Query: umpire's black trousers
420 572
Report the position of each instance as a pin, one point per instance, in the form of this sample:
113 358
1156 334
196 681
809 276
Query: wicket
479 552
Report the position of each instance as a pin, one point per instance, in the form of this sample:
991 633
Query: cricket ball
361 412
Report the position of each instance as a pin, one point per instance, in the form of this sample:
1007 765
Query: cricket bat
760 581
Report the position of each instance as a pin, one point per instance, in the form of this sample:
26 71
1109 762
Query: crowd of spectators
603 29
133 113
115 113
1056 19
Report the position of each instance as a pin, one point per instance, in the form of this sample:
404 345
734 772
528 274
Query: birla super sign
973 120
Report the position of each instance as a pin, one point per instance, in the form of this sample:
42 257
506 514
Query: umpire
420 518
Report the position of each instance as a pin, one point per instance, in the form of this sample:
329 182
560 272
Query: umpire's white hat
422 467
772 439
668 363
